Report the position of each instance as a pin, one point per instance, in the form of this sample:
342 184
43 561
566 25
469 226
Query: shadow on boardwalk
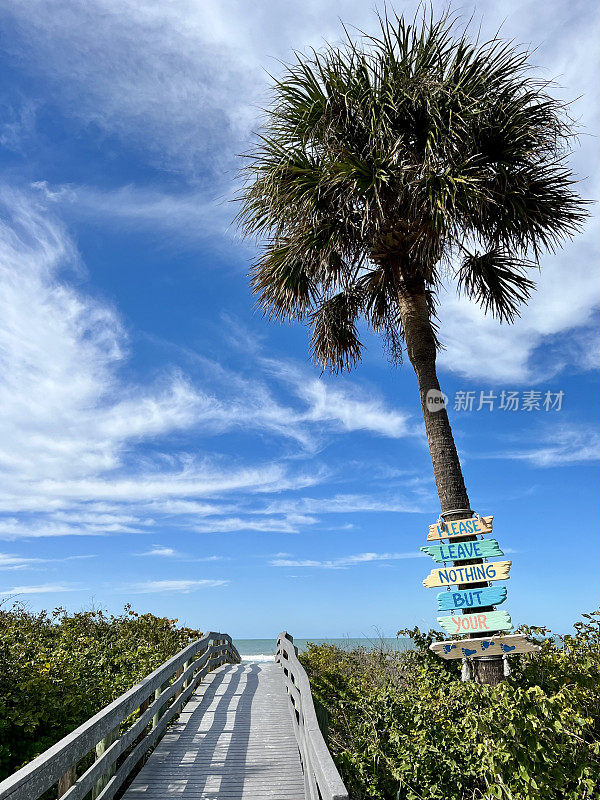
234 740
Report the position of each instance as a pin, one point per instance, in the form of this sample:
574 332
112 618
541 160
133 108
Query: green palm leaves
388 161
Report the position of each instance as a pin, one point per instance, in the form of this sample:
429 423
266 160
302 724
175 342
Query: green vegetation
404 727
57 670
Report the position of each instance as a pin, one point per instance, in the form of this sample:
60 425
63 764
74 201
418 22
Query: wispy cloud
350 503
184 218
559 446
43 588
12 562
343 562
290 523
161 551
344 408
175 586
71 424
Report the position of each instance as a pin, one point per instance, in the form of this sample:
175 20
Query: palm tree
386 164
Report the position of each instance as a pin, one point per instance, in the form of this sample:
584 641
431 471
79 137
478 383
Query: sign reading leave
459 528
461 551
473 573
484 621
495 645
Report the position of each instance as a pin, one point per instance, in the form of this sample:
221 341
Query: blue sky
160 443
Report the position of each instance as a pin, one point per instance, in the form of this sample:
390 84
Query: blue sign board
471 598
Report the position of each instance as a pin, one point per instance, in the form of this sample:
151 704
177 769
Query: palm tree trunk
422 351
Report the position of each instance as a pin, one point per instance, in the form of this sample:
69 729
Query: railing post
158 715
101 748
66 781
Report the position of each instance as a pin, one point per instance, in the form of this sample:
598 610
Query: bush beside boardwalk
57 670
404 727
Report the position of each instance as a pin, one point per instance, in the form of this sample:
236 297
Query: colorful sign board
460 551
471 598
473 573
495 645
491 621
460 528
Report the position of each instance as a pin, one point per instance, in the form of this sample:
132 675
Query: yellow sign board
468 574
459 528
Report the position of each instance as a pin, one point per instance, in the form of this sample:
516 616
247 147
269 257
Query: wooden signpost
476 599
494 645
473 573
459 528
461 551
486 621
471 598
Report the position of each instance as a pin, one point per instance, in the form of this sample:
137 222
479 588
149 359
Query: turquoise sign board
460 551
471 598
487 621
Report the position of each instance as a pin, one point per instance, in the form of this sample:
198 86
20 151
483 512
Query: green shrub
403 726
57 670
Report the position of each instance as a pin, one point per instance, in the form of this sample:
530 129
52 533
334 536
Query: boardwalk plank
234 740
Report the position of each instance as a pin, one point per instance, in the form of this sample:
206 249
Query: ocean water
264 649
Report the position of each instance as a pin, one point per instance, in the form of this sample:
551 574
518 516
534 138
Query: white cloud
181 79
44 588
177 586
70 425
11 562
162 551
349 504
343 562
341 409
328 404
290 523
559 446
560 314
188 216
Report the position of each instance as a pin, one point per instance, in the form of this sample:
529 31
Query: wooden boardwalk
214 728
234 739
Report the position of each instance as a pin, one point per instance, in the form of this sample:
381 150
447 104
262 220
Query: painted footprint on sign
485 645
507 647
448 647
468 652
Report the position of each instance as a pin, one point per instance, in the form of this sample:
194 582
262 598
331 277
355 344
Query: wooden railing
116 747
321 779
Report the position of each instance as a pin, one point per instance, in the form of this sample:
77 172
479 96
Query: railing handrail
321 777
40 774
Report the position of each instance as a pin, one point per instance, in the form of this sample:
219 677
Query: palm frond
497 281
335 344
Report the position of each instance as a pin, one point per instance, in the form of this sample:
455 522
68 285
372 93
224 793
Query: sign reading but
471 598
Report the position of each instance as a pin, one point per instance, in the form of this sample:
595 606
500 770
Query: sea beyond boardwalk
264 649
